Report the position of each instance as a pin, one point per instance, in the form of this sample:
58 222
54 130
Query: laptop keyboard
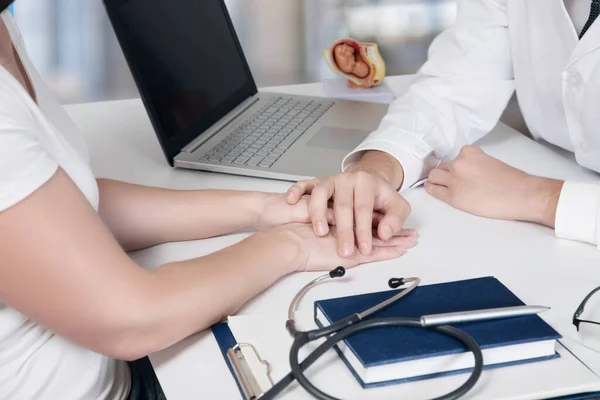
264 138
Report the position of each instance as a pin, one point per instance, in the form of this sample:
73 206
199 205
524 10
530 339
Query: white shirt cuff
415 168
578 212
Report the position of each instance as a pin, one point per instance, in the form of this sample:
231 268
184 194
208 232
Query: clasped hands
361 213
325 231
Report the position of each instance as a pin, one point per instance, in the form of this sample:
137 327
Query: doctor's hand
482 185
320 253
276 211
370 186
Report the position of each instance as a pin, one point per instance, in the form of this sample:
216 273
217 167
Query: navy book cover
395 344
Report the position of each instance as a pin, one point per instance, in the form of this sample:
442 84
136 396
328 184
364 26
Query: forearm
179 299
79 284
140 216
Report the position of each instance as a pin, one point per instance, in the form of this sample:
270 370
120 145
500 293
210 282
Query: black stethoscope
355 323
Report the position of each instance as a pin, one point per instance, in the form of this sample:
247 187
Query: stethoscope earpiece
395 283
338 272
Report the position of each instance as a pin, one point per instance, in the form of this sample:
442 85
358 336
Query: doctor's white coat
494 48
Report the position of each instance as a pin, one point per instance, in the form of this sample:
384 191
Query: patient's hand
482 185
320 253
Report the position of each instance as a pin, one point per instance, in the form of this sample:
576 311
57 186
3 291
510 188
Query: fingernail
347 250
386 232
321 228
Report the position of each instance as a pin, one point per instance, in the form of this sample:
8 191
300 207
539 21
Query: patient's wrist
545 196
255 205
383 165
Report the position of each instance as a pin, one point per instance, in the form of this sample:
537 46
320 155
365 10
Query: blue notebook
393 355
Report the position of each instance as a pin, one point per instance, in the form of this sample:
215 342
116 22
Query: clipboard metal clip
252 373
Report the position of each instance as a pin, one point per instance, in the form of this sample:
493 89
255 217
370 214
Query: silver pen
480 315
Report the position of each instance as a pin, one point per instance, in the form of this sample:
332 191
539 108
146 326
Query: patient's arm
140 216
62 267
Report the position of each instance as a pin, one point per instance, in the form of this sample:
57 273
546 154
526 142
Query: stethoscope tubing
354 323
301 339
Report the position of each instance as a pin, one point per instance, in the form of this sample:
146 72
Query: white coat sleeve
457 97
578 212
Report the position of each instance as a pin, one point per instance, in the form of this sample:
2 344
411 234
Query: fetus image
360 63
349 61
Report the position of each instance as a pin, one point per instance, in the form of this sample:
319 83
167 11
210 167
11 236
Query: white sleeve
25 165
457 97
578 212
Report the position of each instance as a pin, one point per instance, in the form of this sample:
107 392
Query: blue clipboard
250 372
226 341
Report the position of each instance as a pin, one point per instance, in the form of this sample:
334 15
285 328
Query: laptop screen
187 63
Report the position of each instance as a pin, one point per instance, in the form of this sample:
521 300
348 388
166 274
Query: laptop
204 106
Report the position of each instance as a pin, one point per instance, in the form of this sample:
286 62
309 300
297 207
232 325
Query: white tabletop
453 245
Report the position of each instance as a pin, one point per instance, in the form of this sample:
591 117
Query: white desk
453 245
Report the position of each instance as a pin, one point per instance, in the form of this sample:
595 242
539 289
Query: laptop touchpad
331 137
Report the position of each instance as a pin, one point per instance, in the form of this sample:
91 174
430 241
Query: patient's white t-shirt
35 139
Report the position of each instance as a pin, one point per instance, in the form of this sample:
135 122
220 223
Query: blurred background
73 46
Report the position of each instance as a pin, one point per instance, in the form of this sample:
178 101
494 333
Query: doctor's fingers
364 204
343 209
299 189
375 221
438 191
395 212
439 176
321 192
